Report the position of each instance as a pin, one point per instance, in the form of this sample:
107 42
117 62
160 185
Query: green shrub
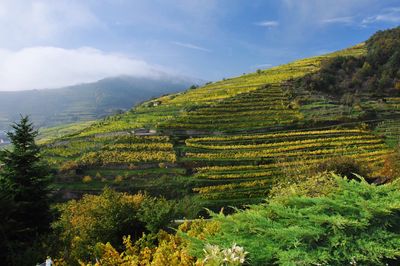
157 213
107 218
357 224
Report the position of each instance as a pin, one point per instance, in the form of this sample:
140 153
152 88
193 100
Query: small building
156 103
144 132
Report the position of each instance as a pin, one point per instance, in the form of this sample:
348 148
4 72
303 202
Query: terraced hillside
249 164
228 142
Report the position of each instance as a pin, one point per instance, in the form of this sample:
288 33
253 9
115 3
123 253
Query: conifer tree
26 178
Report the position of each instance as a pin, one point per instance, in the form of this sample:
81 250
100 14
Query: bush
391 167
97 218
343 166
320 184
69 166
107 218
87 179
358 224
157 213
119 179
152 250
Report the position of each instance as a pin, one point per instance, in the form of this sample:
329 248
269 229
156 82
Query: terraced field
390 129
264 107
187 110
229 141
250 164
119 160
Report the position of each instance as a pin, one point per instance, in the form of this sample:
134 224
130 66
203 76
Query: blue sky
56 43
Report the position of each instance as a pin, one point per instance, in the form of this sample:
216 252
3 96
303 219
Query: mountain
84 102
230 142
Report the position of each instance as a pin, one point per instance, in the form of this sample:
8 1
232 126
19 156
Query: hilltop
84 102
229 142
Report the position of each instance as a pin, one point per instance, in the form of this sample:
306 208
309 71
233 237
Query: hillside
229 142
83 102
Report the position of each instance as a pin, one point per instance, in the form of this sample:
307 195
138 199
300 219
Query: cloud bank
25 22
52 67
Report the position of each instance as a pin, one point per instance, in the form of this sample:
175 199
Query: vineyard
228 142
122 161
250 164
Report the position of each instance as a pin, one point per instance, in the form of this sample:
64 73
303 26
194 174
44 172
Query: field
227 142
250 164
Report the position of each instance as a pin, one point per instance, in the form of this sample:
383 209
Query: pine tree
27 178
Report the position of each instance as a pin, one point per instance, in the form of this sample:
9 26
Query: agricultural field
172 112
390 129
124 161
241 135
250 164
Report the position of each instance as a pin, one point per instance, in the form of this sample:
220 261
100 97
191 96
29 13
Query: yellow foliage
171 251
68 166
87 179
397 85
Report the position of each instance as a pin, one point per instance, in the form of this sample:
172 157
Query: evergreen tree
25 179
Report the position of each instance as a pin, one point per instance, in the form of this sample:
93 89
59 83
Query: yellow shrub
87 179
68 166
118 179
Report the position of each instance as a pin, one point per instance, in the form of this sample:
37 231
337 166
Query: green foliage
320 184
8 226
376 72
157 213
107 218
356 224
24 181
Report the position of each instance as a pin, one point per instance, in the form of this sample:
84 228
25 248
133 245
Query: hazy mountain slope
230 141
85 101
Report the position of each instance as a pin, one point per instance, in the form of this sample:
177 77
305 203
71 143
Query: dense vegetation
269 138
24 193
356 224
376 73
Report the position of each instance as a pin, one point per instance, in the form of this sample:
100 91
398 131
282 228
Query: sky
54 43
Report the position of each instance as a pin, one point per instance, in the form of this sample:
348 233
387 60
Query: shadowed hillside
84 102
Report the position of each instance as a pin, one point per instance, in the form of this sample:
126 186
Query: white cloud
339 20
263 66
191 46
390 15
51 67
25 22
268 23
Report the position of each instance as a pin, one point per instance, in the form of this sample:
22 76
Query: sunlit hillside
228 142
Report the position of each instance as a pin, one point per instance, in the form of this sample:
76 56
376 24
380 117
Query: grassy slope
266 127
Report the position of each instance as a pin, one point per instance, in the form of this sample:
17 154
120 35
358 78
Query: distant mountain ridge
84 102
